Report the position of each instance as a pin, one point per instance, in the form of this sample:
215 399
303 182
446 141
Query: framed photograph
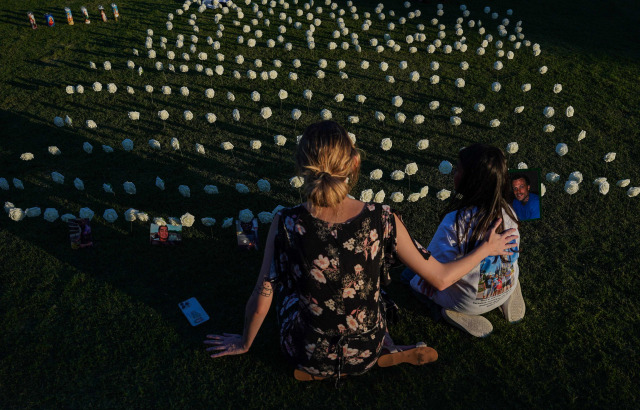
80 233
525 193
165 235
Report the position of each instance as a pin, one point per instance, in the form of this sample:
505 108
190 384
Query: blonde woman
325 260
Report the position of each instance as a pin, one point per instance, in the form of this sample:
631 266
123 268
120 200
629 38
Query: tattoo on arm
264 289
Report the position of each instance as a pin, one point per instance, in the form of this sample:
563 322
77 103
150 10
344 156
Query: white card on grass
193 311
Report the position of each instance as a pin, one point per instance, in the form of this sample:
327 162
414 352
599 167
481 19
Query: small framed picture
165 235
525 193
80 233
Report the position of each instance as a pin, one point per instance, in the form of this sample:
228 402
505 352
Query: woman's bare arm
443 275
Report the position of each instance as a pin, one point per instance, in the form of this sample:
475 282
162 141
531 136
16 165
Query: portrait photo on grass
525 193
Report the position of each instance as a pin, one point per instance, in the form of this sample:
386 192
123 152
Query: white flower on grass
112 88
571 187
366 195
200 149
455 121
107 188
160 183
410 169
210 189
518 110
380 117
445 167
414 76
552 177
155 144
4 184
360 98
184 191
227 146
512 147
187 220
18 183
295 114
543 69
496 86
88 148
548 112
163 115
296 182
582 135
609 157
460 83
58 121
353 119
36 211
522 165
242 188
131 215
597 181
325 114
175 144
576 176
134 115
16 214
400 117
525 87
397 197
57 177
184 91
92 65
227 222
569 112
562 149
279 140
255 144
264 185
236 114
78 184
375 175
549 128
434 79
110 215
443 194
210 117
603 188
91 124
494 123
70 90
27 156
633 191
245 215
129 188
386 144
397 175
623 183
208 221
187 115
50 214
265 217
159 221
106 65
379 197
265 112
557 88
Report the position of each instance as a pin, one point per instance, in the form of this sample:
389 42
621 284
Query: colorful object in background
85 14
116 14
67 11
102 13
49 19
32 20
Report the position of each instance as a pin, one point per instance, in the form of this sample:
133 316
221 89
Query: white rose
455 120
245 215
88 148
210 117
187 220
397 175
443 194
227 146
110 215
4 184
526 87
184 191
129 188
112 88
496 86
386 144
596 181
163 115
78 184
571 187
609 157
36 211
464 66
236 114
160 183
210 189
366 195
582 135
603 188
265 217
543 69
200 149
494 123
283 94
58 121
295 114
175 144
397 197
460 83
445 167
264 185
159 221
411 168
155 144
242 188
424 191
562 149
552 177
27 156
296 182
633 191
326 114
519 109
548 128
434 105
379 197
16 214
423 144
91 124
576 176
107 188
208 221
188 115
479 107
279 140
623 183
548 112
130 215
557 88
434 79
522 165
50 214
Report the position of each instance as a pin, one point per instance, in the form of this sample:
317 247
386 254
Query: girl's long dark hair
484 185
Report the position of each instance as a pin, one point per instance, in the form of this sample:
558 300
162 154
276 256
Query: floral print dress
327 279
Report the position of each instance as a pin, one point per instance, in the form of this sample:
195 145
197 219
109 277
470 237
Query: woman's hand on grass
225 345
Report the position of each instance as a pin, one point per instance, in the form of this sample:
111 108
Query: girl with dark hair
326 260
482 187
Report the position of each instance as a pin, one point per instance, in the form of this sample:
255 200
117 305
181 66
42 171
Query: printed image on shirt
496 277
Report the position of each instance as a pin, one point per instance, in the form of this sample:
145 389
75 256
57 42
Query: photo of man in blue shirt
526 204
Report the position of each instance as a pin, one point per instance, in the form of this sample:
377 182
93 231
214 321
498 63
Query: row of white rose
110 215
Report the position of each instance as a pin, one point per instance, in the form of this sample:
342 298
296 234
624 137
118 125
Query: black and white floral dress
327 279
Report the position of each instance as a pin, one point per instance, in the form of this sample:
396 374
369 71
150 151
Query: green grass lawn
101 327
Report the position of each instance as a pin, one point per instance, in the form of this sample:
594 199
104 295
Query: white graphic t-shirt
487 286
